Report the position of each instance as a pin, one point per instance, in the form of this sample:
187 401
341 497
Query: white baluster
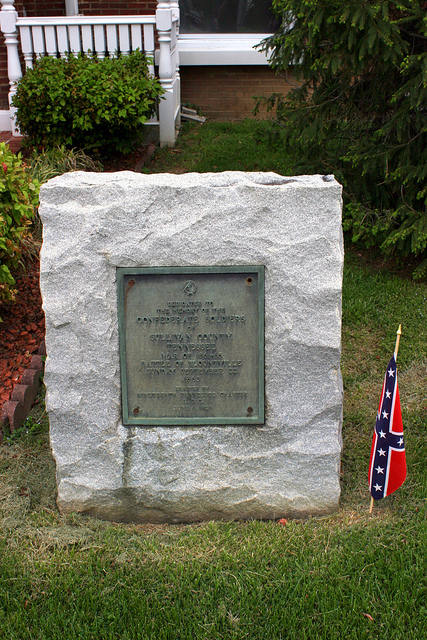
87 40
50 39
38 41
124 39
27 46
136 35
8 17
62 35
74 37
149 46
99 33
112 44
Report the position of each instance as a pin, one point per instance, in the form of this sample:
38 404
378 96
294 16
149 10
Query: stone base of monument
193 330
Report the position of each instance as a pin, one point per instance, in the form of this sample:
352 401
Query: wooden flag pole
396 349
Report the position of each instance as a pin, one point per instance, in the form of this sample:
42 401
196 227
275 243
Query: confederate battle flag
387 466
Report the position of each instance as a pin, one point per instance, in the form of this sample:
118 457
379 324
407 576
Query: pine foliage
360 109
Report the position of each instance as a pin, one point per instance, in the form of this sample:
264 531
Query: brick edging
16 410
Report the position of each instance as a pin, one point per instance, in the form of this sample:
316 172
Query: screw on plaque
136 411
250 410
249 281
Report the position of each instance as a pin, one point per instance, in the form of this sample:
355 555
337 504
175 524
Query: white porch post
8 17
72 7
166 21
174 4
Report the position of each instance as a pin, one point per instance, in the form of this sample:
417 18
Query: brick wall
226 93
40 7
4 83
32 8
117 7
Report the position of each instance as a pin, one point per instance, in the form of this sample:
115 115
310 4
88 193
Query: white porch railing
103 35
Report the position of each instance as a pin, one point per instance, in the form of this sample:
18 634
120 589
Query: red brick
25 395
13 411
42 349
227 93
31 377
37 363
4 424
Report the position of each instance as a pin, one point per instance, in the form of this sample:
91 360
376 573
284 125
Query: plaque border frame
129 420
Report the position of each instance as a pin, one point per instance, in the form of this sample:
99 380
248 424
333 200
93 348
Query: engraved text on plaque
192 345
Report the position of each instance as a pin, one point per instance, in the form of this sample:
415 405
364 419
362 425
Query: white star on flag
379 469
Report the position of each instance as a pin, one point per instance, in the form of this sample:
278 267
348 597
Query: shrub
85 102
360 109
18 199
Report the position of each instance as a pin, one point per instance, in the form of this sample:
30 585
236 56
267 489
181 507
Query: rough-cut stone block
94 223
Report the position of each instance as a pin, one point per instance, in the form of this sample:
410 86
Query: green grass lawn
225 146
349 575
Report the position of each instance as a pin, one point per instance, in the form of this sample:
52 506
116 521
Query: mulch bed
21 332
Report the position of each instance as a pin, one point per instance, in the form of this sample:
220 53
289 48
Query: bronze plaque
192 345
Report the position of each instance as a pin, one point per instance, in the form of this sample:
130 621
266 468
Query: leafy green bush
360 110
85 102
18 198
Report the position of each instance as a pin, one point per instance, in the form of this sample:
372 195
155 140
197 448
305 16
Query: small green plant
86 103
54 162
30 427
18 199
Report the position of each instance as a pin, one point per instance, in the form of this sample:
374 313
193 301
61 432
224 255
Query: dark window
227 16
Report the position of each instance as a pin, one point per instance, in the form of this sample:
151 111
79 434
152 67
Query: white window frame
221 49
211 49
